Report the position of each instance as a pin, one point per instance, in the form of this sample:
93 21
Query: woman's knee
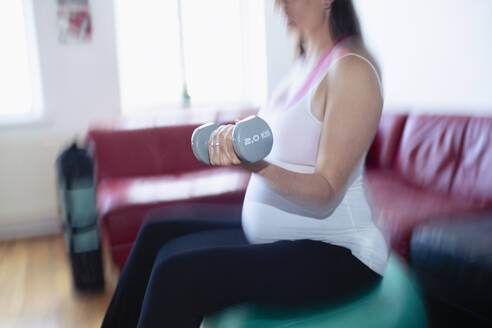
174 278
147 229
147 237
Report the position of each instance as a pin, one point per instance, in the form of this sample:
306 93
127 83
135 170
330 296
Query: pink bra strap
320 67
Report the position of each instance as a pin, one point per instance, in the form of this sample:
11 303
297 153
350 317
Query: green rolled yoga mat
394 302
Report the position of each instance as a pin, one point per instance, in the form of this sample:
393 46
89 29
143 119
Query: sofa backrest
430 150
121 150
142 152
473 177
385 145
443 153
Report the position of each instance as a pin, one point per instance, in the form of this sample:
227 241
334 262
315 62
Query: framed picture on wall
74 21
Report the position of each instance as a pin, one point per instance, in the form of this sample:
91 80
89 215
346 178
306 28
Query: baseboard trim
12 231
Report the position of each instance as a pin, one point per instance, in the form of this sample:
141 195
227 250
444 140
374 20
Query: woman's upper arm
352 113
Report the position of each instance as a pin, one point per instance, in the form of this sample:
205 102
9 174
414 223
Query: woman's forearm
310 190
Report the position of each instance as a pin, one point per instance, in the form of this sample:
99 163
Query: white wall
434 54
279 46
80 83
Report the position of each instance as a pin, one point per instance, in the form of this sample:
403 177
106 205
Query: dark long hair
343 22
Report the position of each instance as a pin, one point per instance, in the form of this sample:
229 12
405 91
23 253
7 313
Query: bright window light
15 80
148 53
219 51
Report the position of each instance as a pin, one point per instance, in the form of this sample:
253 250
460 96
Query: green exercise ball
393 302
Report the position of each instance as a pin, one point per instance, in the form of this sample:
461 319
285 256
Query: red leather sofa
422 167
419 167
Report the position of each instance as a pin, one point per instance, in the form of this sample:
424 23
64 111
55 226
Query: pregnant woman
306 233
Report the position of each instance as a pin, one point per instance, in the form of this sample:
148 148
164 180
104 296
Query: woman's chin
291 25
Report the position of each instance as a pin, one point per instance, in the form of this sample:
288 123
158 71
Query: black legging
180 270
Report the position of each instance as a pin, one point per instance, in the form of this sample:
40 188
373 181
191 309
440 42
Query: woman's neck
316 44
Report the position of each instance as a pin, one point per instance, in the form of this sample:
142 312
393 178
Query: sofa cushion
452 257
474 174
430 150
399 206
385 144
123 202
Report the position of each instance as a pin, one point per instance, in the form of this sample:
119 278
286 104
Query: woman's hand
223 153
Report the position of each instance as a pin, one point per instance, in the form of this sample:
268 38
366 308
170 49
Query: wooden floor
36 287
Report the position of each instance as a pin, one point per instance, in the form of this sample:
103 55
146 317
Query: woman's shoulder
355 57
352 63
355 64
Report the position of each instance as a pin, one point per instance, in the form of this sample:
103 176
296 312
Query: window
19 80
219 51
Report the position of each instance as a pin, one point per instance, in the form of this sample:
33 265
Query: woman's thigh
153 234
127 299
162 230
202 240
207 271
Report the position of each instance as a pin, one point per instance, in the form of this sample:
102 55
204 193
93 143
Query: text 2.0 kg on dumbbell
252 140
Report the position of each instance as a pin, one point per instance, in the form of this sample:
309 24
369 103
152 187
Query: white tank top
267 216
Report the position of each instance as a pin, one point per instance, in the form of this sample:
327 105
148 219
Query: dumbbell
252 139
